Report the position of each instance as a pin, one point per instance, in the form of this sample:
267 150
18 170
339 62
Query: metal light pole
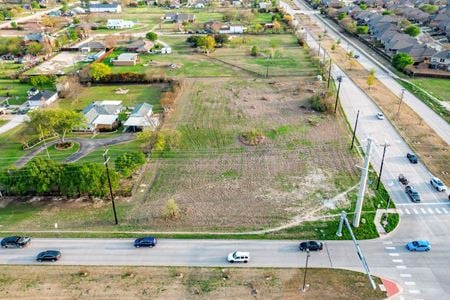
306 269
382 163
354 129
109 182
339 79
400 103
329 74
267 68
362 184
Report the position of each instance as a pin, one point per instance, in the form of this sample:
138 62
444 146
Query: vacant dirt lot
49 282
220 183
59 63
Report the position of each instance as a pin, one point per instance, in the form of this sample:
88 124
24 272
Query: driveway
14 122
87 145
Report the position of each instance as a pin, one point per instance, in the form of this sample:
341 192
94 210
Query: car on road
412 193
311 246
438 184
356 56
403 179
49 255
15 241
418 246
147 241
412 158
238 256
380 116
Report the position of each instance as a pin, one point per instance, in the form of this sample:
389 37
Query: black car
412 193
49 255
310 245
148 241
412 158
15 241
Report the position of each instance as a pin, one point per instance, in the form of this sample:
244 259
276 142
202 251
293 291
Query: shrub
254 51
401 60
151 36
252 137
171 210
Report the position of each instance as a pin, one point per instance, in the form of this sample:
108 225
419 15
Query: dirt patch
69 282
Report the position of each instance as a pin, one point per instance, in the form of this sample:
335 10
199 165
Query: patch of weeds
281 130
203 283
390 221
284 184
270 278
299 142
230 174
128 275
31 284
173 272
4 279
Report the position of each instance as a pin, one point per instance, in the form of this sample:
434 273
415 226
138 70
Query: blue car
148 241
418 246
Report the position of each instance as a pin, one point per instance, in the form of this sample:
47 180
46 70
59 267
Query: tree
371 79
258 28
171 210
342 16
42 80
129 162
413 30
276 26
34 48
362 29
208 44
333 47
110 41
386 12
254 51
151 36
363 6
221 38
14 25
34 5
42 122
401 60
68 86
67 120
64 7
404 23
72 34
47 21
99 70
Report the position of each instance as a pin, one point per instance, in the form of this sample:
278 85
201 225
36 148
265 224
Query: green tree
34 48
151 36
42 80
43 175
258 28
35 4
386 12
342 16
413 30
254 51
66 121
64 7
429 8
99 70
363 6
127 163
208 44
72 34
43 122
362 29
401 60
371 79
221 38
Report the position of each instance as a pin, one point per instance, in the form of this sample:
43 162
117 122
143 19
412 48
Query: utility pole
329 74
339 79
319 51
382 163
362 184
267 68
45 144
306 269
355 242
354 129
400 103
106 158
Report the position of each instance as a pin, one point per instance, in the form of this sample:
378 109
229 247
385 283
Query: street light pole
339 79
400 103
381 167
354 129
329 74
306 269
110 188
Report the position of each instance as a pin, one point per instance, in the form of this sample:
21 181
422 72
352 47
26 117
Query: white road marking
394 254
415 211
438 210
400 212
423 211
401 267
410 283
397 260
387 242
407 211
445 210
430 211
414 291
389 248
405 275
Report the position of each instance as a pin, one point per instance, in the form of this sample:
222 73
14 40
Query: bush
252 137
171 210
413 30
254 51
127 163
318 104
401 60
41 80
151 36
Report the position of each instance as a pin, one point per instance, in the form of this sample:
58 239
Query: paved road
87 145
13 123
439 125
29 17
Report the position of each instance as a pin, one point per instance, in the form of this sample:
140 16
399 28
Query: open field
440 88
8 69
181 283
16 90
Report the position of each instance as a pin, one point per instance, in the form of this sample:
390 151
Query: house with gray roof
105 7
41 99
179 18
441 60
102 115
398 41
418 52
141 117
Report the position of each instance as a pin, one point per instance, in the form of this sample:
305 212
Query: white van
238 256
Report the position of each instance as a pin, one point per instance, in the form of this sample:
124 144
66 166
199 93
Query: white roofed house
232 29
126 59
102 115
141 117
105 7
119 24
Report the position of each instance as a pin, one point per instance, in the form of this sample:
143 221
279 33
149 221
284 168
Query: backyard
440 88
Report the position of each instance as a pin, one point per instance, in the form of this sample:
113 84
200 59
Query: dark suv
412 158
412 193
311 246
148 241
15 241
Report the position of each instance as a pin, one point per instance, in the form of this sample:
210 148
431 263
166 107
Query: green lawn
59 155
9 68
440 88
11 147
16 90
114 152
137 94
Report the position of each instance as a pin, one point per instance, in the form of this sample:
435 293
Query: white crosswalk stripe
407 211
400 212
438 210
445 210
415 211
430 211
423 211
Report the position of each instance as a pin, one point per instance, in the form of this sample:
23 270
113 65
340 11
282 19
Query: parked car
402 179
412 193
356 56
418 246
49 255
310 245
380 116
238 256
15 242
148 241
438 184
412 158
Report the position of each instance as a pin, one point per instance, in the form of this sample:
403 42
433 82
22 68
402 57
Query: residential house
232 29
179 18
419 53
441 60
174 4
39 37
92 46
105 8
398 41
264 5
212 26
414 15
119 24
199 5
41 99
126 59
140 118
102 115
140 46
